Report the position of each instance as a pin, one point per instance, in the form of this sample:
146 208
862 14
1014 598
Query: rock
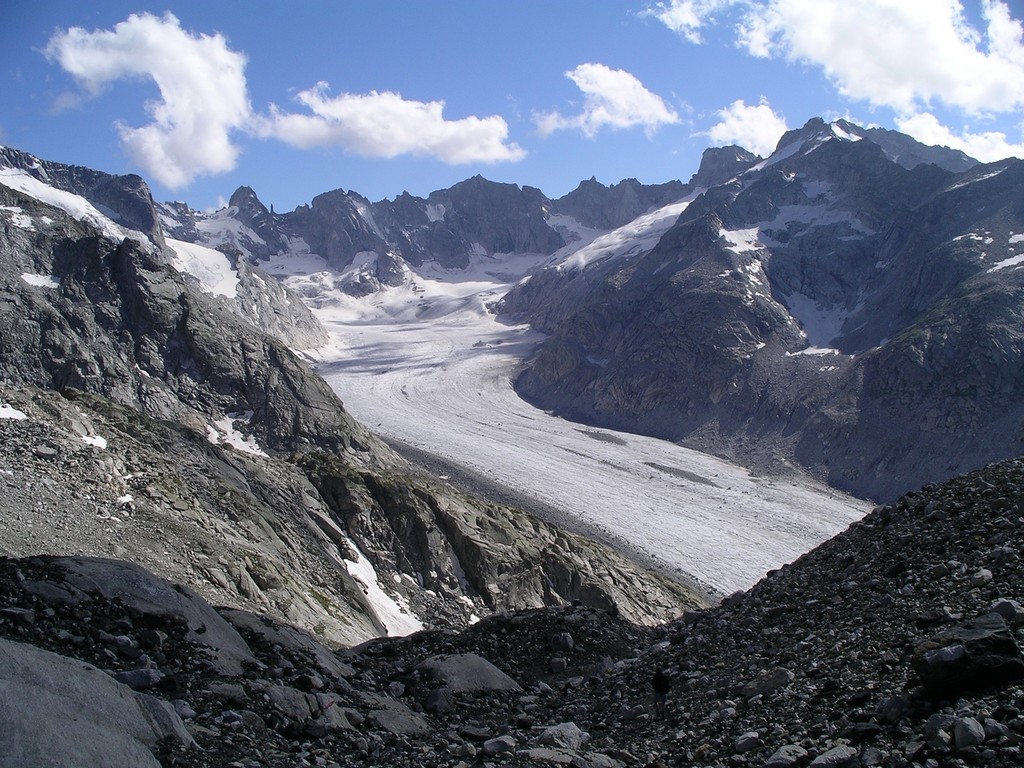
1011 611
746 742
968 732
562 642
981 577
150 594
23 616
837 757
498 746
393 716
468 673
139 679
563 735
977 654
63 713
766 683
440 700
786 757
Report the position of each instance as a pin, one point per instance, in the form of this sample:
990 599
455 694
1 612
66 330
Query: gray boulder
62 713
468 673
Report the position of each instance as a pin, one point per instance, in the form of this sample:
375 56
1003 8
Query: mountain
827 307
152 410
372 246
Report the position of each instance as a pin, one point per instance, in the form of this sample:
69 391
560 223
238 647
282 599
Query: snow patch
10 412
741 240
18 216
1013 261
633 239
224 432
95 441
392 612
211 268
40 281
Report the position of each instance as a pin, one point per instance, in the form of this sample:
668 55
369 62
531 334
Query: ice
443 385
820 324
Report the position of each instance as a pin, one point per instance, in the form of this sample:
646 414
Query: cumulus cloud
757 128
903 54
612 98
687 17
204 105
987 146
203 95
386 125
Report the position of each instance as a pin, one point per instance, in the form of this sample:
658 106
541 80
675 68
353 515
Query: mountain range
847 306
846 309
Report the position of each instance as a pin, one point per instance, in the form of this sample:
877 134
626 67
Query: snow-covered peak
74 205
633 239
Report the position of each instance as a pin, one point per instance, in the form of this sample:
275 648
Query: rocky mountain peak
719 164
815 128
602 207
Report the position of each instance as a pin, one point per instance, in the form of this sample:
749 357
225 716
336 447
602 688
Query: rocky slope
145 417
840 305
895 644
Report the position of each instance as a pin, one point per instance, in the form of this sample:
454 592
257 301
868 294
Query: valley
441 383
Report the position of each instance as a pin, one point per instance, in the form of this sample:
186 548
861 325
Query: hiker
662 684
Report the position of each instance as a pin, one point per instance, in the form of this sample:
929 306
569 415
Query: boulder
971 656
62 713
468 673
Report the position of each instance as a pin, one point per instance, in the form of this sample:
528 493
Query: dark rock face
903 276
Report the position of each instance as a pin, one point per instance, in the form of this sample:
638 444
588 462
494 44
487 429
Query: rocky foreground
894 644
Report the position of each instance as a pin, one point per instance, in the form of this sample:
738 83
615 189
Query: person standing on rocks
662 684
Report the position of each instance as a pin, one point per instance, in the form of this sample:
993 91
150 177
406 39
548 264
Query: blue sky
386 96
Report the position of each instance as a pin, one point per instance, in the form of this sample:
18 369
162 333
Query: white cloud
904 54
613 98
987 146
756 128
386 125
687 17
202 91
204 103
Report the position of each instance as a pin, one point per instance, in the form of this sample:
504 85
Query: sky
390 96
